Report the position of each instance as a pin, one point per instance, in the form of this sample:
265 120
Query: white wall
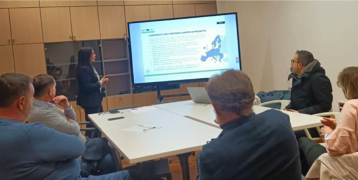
271 32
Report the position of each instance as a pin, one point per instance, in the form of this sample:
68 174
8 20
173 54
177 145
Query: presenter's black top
89 88
261 146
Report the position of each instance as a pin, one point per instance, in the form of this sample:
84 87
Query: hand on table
292 110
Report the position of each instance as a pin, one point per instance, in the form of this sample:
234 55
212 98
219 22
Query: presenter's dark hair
84 58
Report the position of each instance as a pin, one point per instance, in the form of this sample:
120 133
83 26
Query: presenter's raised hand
104 80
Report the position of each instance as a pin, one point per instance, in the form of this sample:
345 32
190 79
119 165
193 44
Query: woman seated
342 137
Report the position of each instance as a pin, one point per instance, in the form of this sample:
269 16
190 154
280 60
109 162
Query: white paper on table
135 129
143 109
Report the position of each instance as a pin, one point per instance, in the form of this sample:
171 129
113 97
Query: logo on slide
148 31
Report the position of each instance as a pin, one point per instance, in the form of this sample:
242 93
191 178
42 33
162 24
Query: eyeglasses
292 61
339 85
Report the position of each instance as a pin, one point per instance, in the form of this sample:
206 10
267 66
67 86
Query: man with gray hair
251 146
311 91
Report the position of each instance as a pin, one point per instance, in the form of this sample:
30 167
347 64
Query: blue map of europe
215 51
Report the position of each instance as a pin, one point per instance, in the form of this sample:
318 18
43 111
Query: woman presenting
90 93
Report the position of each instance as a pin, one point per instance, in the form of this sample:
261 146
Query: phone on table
115 118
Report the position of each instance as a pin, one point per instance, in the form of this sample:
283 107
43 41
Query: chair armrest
88 129
83 123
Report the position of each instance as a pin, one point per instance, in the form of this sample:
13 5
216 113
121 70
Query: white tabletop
177 134
204 113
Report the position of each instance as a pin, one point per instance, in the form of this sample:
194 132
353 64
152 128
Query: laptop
199 95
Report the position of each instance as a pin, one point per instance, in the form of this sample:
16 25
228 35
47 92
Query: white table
177 135
204 113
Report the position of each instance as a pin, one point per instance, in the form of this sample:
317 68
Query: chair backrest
334 167
283 103
257 100
336 115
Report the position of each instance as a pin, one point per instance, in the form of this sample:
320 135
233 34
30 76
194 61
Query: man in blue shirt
251 146
33 151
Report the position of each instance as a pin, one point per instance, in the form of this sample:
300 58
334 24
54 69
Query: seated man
44 111
34 151
251 146
311 91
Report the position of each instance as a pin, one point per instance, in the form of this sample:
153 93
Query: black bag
96 149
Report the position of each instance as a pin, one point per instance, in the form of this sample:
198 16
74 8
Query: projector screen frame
182 80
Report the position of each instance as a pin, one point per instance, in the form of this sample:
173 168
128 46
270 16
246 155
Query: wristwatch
326 135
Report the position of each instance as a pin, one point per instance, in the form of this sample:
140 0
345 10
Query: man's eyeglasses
339 85
293 61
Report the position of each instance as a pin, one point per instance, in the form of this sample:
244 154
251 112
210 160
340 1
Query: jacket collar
233 124
309 69
237 122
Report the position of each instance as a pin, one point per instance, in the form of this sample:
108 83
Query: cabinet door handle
71 37
9 41
13 41
74 38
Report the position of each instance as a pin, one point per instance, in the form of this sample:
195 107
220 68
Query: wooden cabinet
77 110
192 2
5 35
112 22
18 4
183 87
119 101
56 24
185 98
104 105
146 2
204 84
51 3
184 10
109 3
85 24
137 13
145 99
205 9
6 60
161 12
170 92
30 59
26 25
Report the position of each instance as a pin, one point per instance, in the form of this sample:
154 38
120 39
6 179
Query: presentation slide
183 49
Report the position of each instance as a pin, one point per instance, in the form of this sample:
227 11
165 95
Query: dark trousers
121 175
301 133
310 151
92 110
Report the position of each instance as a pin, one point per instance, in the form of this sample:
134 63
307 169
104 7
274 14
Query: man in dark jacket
251 146
311 91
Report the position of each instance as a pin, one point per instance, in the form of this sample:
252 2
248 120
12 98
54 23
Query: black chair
95 132
151 170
